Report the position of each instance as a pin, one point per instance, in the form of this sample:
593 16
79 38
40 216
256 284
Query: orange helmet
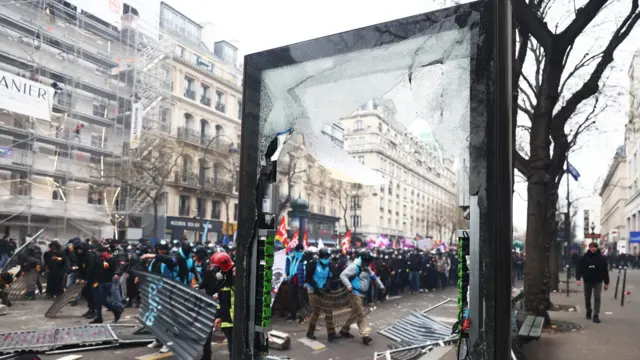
222 261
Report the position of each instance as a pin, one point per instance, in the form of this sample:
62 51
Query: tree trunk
536 279
155 219
344 217
552 230
554 268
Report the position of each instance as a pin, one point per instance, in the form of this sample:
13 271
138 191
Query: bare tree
293 168
223 187
456 221
151 165
342 191
557 92
441 222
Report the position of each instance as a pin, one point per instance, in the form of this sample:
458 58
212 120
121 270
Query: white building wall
613 198
420 197
222 121
632 207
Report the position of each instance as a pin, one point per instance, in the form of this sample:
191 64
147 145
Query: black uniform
105 269
86 261
595 271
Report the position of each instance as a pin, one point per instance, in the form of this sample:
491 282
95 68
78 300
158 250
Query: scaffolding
59 173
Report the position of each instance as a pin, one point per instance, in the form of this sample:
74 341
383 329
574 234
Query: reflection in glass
417 89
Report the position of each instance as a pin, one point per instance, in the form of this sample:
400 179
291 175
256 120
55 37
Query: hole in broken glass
421 85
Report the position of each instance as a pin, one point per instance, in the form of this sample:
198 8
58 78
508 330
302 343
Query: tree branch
584 16
521 164
591 86
588 122
584 62
527 17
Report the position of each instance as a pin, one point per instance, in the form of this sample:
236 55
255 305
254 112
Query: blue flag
573 171
225 240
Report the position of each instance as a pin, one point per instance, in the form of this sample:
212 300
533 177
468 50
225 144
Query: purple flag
407 244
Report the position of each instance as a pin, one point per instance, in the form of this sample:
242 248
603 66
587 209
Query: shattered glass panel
412 94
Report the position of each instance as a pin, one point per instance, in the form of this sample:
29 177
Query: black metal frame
490 149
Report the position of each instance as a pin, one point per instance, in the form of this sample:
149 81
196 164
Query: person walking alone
594 270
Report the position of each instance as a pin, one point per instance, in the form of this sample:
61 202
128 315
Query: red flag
281 234
305 239
345 244
294 240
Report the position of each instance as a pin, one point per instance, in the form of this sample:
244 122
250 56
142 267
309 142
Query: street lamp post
203 181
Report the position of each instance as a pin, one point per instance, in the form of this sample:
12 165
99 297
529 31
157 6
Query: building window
235 212
96 141
358 125
355 221
215 209
240 109
65 99
205 94
165 115
59 193
180 51
94 196
189 88
99 109
20 184
355 202
167 78
225 51
184 205
192 31
221 101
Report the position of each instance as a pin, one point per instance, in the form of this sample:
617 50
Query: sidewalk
614 338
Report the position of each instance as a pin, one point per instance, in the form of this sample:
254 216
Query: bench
531 329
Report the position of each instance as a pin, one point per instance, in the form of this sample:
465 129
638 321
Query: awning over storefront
177 226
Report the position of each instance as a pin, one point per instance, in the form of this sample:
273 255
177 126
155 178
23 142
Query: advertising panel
136 125
26 97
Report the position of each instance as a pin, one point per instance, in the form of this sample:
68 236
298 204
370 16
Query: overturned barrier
17 289
411 352
69 296
68 339
168 310
334 302
417 328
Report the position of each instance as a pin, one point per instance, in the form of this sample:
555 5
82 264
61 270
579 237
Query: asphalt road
27 315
